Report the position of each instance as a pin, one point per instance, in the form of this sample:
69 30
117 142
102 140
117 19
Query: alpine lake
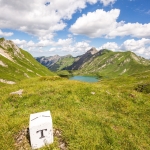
85 78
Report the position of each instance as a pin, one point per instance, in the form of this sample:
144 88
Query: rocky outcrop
9 50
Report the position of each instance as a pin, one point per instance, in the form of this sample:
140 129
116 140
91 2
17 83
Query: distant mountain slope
17 64
104 63
57 63
68 62
63 62
48 61
110 64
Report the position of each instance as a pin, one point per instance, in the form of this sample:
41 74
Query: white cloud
104 24
140 47
135 44
77 48
63 42
51 42
92 1
111 46
39 19
96 24
31 44
52 49
25 45
5 33
132 29
43 43
82 45
19 42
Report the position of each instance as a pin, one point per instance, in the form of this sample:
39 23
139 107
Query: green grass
22 68
116 117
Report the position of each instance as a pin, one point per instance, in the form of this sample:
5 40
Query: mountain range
17 64
104 63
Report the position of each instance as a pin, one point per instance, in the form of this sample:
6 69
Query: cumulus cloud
96 24
104 24
19 42
81 47
5 33
39 19
111 46
78 47
63 42
34 18
140 47
132 29
24 44
75 49
52 49
42 43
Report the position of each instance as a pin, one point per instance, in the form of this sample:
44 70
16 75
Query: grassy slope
112 64
116 117
15 72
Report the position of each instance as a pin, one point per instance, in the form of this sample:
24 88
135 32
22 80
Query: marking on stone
42 134
34 118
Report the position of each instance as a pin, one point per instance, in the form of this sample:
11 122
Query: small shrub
144 88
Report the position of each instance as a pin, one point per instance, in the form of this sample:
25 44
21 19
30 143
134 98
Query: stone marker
41 129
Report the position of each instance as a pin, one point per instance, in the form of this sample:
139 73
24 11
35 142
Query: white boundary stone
41 129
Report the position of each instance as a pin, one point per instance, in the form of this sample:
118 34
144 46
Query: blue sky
61 27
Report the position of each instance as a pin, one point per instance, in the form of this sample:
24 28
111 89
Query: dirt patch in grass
22 140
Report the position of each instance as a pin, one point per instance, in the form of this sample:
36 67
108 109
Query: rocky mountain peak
93 50
8 49
56 57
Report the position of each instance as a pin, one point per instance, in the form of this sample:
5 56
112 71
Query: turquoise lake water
84 78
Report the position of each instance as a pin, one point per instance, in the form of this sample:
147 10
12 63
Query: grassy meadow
113 114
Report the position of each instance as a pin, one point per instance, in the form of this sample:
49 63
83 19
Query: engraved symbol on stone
42 133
